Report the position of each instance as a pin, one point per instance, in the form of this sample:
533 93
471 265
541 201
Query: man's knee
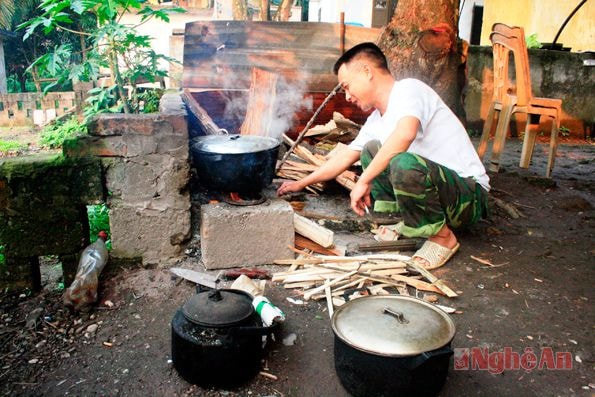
371 148
406 161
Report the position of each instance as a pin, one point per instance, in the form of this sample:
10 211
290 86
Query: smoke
279 107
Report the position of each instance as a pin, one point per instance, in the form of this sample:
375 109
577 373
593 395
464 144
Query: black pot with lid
392 345
235 163
217 338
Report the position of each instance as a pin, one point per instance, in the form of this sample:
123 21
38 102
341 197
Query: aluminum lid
233 144
393 325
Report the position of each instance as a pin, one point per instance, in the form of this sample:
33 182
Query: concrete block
155 235
127 146
234 236
138 124
147 178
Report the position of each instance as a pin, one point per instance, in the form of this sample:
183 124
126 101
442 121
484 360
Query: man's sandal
434 255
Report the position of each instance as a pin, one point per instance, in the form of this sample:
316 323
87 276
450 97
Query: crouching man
417 158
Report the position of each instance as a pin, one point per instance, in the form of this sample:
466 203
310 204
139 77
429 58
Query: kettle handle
252 331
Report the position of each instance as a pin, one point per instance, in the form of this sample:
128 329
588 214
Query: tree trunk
240 10
265 10
421 42
284 11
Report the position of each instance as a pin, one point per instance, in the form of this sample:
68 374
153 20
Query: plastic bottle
268 312
83 290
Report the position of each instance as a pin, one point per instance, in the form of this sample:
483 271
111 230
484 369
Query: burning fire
235 196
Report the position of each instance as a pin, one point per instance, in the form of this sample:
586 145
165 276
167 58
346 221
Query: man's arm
329 170
398 142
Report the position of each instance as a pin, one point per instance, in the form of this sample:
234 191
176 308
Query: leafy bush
149 100
2 258
98 220
6 146
54 134
111 44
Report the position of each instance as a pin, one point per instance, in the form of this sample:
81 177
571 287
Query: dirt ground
537 295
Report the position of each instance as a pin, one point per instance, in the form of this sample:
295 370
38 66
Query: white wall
359 11
3 82
466 17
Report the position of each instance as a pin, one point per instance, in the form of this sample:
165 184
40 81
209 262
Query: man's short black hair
369 50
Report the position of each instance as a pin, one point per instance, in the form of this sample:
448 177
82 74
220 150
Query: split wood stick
370 257
377 290
205 120
418 284
433 279
380 279
350 284
402 289
405 245
509 208
304 270
303 284
329 301
386 272
346 178
338 301
312 230
303 242
316 290
261 103
310 277
309 124
385 265
315 260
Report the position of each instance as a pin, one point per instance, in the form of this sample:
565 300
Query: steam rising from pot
288 99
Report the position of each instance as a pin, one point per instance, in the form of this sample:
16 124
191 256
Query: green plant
564 131
149 100
6 146
99 220
54 134
111 44
472 132
2 257
532 41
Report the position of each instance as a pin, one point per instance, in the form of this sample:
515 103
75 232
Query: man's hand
360 197
289 187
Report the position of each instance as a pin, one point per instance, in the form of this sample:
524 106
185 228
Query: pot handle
425 356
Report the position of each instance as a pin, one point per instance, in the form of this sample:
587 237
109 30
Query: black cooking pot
217 338
235 163
392 345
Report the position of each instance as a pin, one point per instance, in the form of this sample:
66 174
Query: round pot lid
233 144
392 325
218 308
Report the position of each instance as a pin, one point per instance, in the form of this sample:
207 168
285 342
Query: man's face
354 81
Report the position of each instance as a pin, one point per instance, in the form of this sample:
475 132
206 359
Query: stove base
238 236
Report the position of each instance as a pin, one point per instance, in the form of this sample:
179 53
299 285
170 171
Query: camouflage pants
427 195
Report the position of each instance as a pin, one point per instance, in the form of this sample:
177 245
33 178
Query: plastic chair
516 98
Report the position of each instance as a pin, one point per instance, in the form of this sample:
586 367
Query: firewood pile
329 140
341 278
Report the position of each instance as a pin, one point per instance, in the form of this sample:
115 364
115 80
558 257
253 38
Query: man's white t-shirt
441 136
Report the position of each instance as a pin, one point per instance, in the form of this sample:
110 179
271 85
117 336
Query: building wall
466 18
544 18
30 108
